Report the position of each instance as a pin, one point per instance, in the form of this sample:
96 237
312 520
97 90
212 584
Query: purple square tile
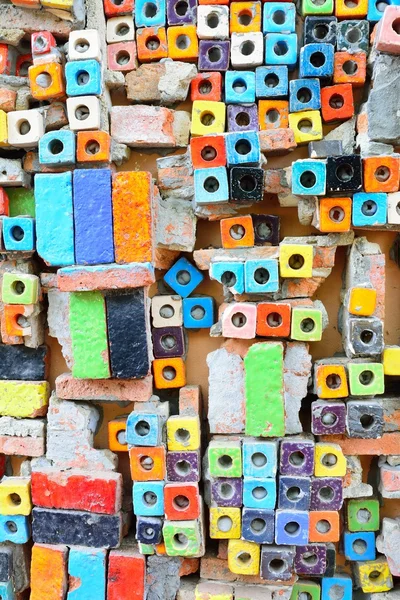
168 342
213 55
326 493
242 118
227 491
328 418
181 11
266 229
310 559
183 466
297 457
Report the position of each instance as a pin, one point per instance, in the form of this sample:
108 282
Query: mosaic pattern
262 491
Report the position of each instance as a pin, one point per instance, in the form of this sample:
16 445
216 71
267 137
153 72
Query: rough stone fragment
11 172
162 577
277 141
38 20
20 562
226 400
165 83
22 437
104 390
387 444
389 477
7 99
11 36
55 116
142 126
58 322
70 433
175 176
120 153
384 93
353 486
297 366
105 277
174 83
388 542
190 401
175 224
345 132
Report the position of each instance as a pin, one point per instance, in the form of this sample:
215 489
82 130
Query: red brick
77 490
126 575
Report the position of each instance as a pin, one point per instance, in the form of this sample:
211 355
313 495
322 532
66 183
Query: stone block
23 399
76 528
143 126
104 390
128 334
226 404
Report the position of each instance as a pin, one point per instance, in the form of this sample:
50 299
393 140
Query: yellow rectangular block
3 128
243 557
15 496
208 117
60 4
225 523
391 360
306 126
49 574
212 590
24 399
183 433
329 461
362 301
374 575
296 260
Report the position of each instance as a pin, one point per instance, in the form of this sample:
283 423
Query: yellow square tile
3 128
391 360
183 433
208 117
329 461
362 301
243 557
15 496
296 260
225 523
306 126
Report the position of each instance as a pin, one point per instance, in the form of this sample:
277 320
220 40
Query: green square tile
316 7
19 288
146 548
366 379
22 202
363 514
182 538
224 459
306 589
306 324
